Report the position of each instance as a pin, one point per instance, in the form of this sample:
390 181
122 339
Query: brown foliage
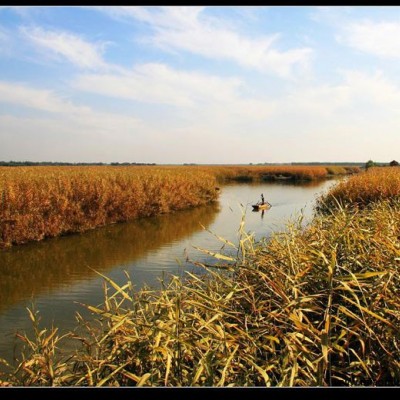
41 202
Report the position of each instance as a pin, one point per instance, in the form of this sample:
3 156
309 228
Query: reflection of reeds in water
38 267
278 183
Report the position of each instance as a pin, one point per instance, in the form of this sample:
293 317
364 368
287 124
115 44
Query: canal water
58 275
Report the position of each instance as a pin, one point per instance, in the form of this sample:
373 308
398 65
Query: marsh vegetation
48 201
311 306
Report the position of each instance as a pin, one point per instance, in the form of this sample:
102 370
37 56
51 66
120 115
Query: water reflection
36 268
289 182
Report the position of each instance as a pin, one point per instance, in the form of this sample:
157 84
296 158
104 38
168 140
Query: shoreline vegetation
39 202
314 305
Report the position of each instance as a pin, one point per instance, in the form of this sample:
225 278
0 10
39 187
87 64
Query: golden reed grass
41 202
379 183
271 172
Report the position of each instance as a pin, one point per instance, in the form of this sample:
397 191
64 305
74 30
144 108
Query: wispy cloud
331 15
157 83
379 36
340 121
114 138
5 41
39 99
381 39
49 102
190 29
67 46
161 84
356 92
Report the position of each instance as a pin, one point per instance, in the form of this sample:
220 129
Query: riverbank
314 306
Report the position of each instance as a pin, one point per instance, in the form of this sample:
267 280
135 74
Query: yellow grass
40 202
270 172
273 172
380 183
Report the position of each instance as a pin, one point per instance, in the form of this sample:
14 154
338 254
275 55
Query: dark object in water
260 206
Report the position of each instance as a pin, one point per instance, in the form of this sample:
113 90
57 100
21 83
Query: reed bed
279 172
42 202
313 306
379 183
257 173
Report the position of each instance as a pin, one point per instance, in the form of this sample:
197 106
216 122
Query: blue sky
200 84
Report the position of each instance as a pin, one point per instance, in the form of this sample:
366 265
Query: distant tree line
58 163
367 165
344 164
127 163
371 163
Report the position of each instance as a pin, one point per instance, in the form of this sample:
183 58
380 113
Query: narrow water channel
59 274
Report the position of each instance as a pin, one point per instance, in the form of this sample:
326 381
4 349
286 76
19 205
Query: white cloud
381 39
313 123
357 91
39 99
218 106
189 29
65 139
62 109
160 84
374 88
354 120
64 45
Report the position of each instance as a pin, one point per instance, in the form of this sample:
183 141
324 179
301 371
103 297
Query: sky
206 85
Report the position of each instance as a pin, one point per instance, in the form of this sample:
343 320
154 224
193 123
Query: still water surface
58 274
